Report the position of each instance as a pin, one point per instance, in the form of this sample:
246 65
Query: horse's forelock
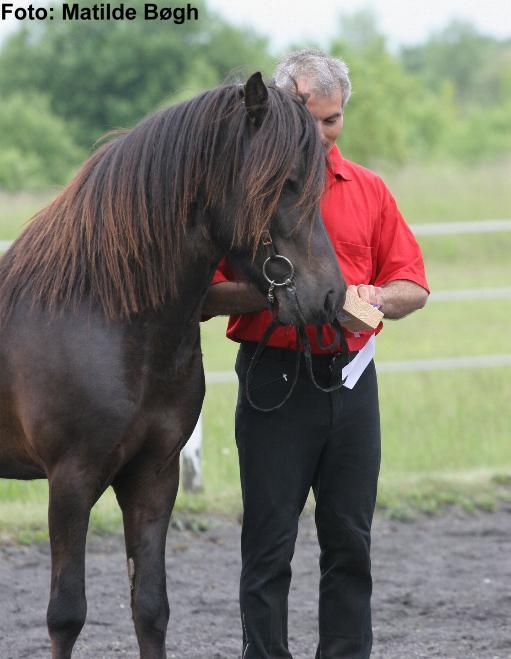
287 132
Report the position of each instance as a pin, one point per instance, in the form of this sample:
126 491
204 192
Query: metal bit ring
288 280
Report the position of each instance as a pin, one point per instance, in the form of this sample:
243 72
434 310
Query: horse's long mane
115 234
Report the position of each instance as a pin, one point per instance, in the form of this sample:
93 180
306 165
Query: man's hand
396 299
370 294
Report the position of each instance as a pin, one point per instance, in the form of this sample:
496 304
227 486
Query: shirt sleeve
223 273
398 254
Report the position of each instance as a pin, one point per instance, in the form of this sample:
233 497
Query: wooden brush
357 315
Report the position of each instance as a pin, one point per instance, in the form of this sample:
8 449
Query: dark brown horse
101 378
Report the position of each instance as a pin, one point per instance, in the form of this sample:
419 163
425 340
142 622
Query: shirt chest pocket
355 262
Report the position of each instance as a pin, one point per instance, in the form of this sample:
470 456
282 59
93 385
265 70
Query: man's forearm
401 297
396 299
233 298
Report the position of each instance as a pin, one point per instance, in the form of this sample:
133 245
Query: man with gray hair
329 442
325 75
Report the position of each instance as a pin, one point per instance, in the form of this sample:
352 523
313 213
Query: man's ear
256 99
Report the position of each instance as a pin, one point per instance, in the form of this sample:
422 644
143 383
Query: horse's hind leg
68 516
146 493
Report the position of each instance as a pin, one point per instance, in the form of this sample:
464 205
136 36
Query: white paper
352 371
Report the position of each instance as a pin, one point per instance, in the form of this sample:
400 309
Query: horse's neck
198 263
174 328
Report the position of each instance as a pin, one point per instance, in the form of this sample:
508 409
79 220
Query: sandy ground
442 588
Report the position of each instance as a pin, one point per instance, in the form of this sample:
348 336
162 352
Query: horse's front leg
146 491
71 500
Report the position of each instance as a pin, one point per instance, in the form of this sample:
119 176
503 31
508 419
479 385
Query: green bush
36 149
480 133
101 75
445 99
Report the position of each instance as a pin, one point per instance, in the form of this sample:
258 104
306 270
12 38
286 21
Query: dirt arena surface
442 588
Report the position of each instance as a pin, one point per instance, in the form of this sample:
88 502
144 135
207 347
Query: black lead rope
302 342
254 361
337 337
307 353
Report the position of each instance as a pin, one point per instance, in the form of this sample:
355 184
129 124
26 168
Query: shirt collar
337 165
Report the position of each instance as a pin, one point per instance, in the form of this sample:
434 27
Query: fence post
191 465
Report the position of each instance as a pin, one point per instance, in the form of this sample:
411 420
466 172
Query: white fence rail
452 228
408 365
461 294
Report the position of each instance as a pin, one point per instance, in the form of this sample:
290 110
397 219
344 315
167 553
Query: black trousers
327 441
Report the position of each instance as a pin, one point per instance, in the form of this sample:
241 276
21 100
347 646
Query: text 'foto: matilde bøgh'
101 12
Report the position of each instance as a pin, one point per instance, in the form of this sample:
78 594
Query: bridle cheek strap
288 281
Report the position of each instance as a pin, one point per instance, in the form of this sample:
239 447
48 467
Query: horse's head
279 235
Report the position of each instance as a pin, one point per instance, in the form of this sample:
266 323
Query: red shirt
373 243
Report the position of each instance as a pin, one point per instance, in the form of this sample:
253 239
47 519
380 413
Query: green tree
36 149
482 133
101 75
477 65
390 116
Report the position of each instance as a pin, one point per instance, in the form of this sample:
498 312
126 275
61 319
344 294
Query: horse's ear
256 99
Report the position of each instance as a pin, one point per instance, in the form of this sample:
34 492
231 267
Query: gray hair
324 74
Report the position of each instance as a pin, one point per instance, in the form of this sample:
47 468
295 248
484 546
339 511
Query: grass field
17 208
450 192
446 435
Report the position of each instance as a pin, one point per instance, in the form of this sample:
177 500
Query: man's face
327 111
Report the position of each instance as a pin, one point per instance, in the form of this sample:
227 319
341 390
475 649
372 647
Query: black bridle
288 282
302 339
